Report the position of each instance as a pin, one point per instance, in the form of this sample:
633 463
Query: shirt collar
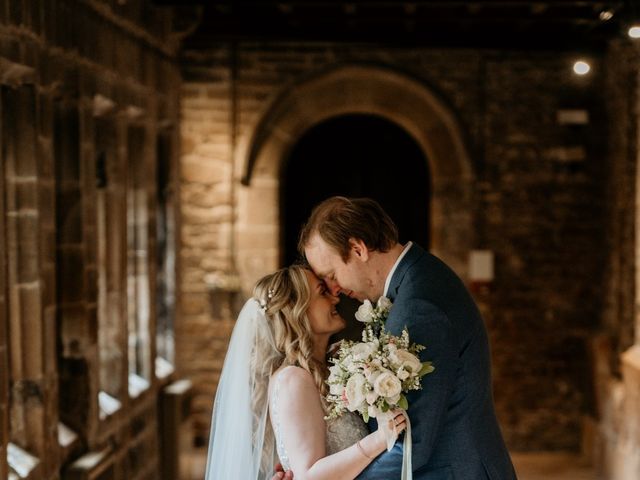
395 265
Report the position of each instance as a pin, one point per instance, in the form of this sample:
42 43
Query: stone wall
68 70
533 194
614 428
4 342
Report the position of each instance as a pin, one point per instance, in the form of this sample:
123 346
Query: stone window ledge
68 441
21 463
108 405
137 385
164 368
90 465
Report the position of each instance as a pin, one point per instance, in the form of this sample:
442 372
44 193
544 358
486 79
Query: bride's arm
303 432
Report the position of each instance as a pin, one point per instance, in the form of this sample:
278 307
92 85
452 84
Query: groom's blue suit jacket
454 428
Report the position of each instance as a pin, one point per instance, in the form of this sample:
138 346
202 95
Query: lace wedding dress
342 432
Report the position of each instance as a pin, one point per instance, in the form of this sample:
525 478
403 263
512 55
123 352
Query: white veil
241 445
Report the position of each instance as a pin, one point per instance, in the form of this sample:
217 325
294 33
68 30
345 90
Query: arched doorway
346 90
355 155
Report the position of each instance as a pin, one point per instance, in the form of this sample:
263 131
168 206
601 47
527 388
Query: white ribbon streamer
391 436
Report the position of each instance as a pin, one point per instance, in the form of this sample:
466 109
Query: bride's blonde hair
286 340
285 296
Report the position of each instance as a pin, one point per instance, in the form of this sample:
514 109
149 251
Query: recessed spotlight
581 67
606 15
634 31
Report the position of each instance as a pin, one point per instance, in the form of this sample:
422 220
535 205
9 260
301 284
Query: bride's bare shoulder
294 378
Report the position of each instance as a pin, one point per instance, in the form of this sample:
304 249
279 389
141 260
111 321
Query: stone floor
529 466
552 466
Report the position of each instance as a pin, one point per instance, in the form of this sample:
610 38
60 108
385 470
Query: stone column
30 237
4 359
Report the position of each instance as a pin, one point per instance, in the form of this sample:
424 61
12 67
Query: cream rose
406 360
362 351
384 303
365 312
387 385
336 389
354 391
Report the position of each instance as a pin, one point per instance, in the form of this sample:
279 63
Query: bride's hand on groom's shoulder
281 474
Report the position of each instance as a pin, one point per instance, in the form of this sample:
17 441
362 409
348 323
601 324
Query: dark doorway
356 156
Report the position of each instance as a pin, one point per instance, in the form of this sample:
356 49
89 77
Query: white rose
371 397
406 360
362 351
387 385
393 400
354 391
365 312
376 363
372 375
403 374
384 303
336 389
348 364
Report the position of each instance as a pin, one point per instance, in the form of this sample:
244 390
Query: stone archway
354 89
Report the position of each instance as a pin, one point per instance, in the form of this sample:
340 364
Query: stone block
26 195
259 207
201 170
22 245
50 336
194 303
193 276
30 312
198 215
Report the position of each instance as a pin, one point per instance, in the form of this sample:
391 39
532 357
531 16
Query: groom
352 244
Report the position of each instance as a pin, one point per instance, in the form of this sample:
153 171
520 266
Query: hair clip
270 293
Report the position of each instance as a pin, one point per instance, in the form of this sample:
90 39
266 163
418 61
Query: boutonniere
377 315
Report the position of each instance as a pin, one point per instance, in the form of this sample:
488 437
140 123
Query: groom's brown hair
338 219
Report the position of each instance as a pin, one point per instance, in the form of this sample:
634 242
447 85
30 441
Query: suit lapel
412 256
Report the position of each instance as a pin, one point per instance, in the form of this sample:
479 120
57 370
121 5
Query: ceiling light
634 31
606 15
581 67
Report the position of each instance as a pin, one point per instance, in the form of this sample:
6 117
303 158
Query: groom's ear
359 249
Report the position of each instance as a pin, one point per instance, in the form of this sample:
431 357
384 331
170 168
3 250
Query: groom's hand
281 474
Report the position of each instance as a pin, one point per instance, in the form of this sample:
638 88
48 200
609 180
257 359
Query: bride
269 405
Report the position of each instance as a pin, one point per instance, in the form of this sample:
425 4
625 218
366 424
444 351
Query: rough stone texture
620 285
536 200
4 337
614 439
72 67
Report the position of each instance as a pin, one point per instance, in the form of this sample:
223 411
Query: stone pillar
4 358
30 237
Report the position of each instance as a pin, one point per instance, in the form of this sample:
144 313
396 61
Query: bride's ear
359 249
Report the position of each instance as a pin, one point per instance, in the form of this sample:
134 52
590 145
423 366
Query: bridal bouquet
372 376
